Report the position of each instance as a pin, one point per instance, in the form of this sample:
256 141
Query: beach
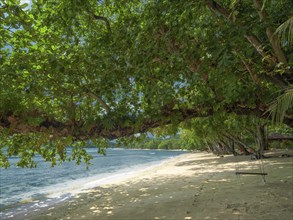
189 186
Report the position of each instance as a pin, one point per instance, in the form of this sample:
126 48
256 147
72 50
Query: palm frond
281 105
285 31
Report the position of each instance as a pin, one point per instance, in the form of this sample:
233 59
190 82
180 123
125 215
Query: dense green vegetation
75 72
167 143
205 135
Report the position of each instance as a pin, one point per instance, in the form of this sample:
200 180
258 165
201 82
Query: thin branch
259 48
100 100
107 23
270 78
102 18
253 76
92 94
218 8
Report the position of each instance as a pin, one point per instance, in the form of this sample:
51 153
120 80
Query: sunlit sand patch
162 217
220 180
236 211
143 189
108 208
109 200
146 194
134 200
123 193
95 209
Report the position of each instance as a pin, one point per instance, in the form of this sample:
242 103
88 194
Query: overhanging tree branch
50 125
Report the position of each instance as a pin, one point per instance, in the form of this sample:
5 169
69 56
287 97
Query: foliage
284 102
282 105
90 70
285 31
222 134
155 142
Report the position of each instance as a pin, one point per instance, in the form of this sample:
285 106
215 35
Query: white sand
191 186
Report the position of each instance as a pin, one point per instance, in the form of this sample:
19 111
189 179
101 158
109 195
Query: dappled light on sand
191 186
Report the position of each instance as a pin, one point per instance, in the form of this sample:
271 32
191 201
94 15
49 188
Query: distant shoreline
155 149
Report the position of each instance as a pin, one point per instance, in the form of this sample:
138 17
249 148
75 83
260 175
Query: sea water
24 190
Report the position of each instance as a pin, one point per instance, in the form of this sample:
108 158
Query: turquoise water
23 190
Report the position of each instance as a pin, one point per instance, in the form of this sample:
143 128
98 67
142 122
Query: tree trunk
262 138
233 148
226 148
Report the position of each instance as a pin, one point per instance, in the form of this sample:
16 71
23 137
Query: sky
25 1
29 2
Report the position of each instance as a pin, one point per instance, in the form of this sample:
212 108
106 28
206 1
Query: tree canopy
79 70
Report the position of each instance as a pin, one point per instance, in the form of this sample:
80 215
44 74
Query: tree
73 71
284 102
222 134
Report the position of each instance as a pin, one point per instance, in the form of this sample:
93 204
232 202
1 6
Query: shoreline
188 186
49 199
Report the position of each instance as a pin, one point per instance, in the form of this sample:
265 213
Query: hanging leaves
81 70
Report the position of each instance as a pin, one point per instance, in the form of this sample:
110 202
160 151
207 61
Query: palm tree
285 31
281 105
